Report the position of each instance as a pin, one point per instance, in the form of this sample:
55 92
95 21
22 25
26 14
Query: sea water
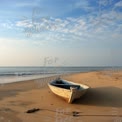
14 74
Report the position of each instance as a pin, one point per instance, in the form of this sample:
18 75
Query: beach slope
102 102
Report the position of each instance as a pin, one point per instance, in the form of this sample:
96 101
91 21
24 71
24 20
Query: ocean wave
26 73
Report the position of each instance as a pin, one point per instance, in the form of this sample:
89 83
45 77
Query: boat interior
62 84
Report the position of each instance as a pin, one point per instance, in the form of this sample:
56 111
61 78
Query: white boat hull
69 94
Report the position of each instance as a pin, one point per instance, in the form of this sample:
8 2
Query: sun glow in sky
77 32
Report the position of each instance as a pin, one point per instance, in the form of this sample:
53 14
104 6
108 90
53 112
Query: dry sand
102 102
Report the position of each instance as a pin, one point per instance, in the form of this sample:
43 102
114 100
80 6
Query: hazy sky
75 32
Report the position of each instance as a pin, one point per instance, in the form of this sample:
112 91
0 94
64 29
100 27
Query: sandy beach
102 102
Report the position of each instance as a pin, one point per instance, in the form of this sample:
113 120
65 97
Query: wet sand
102 102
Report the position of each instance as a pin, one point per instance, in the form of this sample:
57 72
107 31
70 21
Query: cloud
82 4
24 23
71 30
55 24
118 4
81 29
7 24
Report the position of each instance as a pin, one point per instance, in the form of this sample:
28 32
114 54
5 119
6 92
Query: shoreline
103 98
16 74
40 77
32 77
27 78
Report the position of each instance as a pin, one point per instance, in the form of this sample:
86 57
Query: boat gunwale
82 86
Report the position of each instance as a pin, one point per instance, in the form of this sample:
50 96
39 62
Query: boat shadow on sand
102 96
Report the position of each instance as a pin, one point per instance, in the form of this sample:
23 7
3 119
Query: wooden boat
67 89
